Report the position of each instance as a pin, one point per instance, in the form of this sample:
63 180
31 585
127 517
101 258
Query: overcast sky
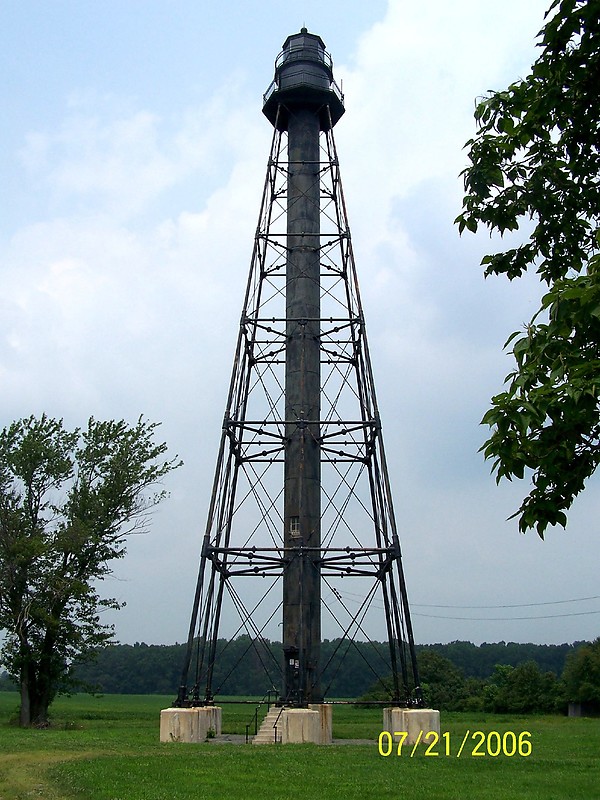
133 152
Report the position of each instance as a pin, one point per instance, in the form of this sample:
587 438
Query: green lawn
107 749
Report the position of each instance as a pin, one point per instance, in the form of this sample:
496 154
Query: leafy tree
443 684
523 689
479 661
6 684
68 501
581 676
495 687
536 156
473 695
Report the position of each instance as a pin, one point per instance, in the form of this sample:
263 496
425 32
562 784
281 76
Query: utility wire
514 605
497 619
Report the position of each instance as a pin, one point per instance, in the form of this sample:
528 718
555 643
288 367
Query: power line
514 605
499 619
511 605
350 596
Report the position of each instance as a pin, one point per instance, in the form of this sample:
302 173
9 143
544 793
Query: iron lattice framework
358 561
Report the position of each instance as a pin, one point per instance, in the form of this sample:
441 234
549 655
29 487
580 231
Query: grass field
107 748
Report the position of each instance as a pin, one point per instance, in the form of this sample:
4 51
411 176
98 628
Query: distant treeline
240 667
480 661
523 688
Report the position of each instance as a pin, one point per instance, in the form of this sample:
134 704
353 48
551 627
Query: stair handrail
281 710
271 693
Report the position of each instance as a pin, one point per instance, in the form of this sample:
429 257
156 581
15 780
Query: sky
133 152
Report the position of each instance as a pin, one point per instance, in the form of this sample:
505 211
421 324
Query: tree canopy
68 500
536 156
581 675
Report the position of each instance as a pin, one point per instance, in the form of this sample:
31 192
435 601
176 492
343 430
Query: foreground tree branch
536 156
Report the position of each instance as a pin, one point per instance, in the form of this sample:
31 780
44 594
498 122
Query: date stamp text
473 743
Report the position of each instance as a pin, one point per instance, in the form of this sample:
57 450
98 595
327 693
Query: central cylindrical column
302 479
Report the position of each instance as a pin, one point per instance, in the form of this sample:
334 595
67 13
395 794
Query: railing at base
275 724
270 697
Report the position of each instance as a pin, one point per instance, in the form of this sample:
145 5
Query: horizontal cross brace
262 552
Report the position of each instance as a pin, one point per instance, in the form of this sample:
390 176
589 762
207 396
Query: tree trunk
35 699
25 710
39 712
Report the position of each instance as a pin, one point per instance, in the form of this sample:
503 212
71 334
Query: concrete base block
393 719
420 719
190 725
411 720
179 725
299 725
325 721
209 722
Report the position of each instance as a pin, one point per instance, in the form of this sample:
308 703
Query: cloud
112 157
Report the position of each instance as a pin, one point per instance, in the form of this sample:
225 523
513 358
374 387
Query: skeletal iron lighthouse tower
301 497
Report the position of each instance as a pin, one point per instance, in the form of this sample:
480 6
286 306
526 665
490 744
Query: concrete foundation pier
413 721
190 725
325 711
300 725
